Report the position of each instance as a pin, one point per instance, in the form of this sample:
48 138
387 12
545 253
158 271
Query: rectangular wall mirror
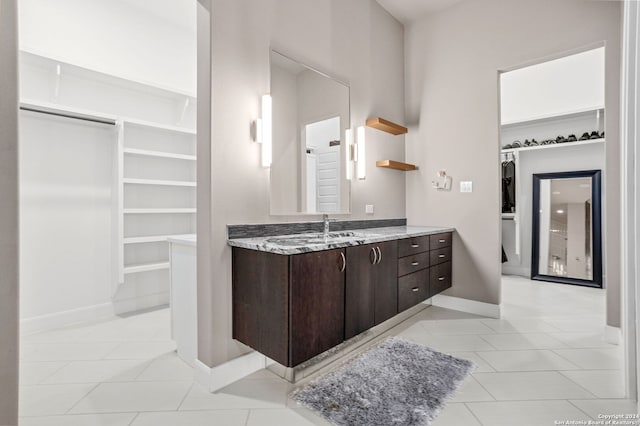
310 116
567 237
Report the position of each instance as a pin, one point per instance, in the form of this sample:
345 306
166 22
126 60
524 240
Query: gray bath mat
396 382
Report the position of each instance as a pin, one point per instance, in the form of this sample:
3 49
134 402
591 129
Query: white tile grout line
80 399
185 396
581 410
65 364
134 419
474 414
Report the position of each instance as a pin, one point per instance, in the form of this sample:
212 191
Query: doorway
552 125
108 201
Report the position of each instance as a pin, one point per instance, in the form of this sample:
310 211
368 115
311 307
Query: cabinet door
260 302
386 281
317 303
359 289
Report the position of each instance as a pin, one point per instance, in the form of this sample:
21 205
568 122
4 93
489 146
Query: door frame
630 213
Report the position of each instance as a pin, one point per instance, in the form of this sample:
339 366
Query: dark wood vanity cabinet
294 307
371 295
424 268
290 308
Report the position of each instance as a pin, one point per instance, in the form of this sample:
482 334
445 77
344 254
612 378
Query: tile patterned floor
546 360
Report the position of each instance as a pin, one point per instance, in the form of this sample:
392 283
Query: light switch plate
368 208
466 186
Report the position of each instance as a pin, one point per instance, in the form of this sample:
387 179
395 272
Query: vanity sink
317 238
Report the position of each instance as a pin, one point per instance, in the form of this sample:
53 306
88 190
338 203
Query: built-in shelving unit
386 126
157 185
396 165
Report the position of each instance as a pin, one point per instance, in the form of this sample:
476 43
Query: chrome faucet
327 222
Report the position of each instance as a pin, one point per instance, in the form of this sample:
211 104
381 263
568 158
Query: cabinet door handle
375 256
415 245
442 256
415 263
443 241
379 254
441 278
344 262
415 289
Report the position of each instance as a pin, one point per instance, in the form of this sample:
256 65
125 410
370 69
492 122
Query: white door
322 140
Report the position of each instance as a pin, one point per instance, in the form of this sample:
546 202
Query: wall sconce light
349 153
264 131
361 170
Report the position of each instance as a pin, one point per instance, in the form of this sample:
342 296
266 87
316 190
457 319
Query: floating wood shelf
386 126
396 165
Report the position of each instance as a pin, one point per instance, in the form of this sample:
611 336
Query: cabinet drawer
439 256
413 289
409 246
440 240
409 264
440 278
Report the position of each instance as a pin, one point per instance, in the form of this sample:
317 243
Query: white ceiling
406 11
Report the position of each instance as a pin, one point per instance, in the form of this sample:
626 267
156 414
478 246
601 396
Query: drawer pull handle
441 278
379 255
344 262
443 241
415 289
442 256
415 263
415 245
375 256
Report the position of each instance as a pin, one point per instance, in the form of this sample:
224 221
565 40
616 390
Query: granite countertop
186 239
304 243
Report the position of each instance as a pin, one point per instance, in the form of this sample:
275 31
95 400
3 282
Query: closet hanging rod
67 114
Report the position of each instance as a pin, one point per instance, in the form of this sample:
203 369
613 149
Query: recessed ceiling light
560 211
556 192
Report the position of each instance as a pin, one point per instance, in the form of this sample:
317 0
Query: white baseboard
516 270
66 318
612 335
465 305
216 378
125 306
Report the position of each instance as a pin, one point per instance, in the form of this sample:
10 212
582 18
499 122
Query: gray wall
452 63
355 40
8 214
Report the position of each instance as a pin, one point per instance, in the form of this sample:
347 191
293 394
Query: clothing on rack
508 186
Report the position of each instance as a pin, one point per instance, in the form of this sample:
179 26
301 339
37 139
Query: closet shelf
149 239
386 126
158 126
159 211
145 267
132 181
552 146
160 154
396 165
554 116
